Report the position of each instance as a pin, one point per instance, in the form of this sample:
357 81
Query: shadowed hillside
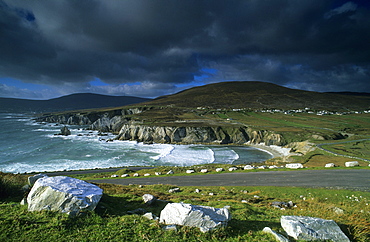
70 102
259 95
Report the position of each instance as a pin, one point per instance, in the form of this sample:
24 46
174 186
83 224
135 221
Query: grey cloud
310 44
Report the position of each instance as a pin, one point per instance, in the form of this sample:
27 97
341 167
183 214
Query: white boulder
308 228
329 165
203 217
219 169
351 163
204 170
294 166
63 194
190 171
233 169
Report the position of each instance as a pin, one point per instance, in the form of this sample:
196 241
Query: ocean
27 146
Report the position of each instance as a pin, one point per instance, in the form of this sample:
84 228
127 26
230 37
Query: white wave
225 155
185 155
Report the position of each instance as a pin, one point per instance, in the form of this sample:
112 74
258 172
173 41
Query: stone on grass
233 169
149 199
170 172
173 190
33 179
294 165
170 227
63 194
308 228
150 216
125 175
147 174
203 217
248 167
157 173
351 163
190 171
219 169
329 165
114 175
277 236
204 170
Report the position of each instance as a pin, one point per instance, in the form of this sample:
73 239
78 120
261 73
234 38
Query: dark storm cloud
316 45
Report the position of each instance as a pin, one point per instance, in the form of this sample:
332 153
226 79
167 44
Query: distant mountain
69 102
259 95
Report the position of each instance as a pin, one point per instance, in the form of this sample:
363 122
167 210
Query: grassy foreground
250 208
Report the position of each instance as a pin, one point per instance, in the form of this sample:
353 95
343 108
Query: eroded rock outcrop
191 135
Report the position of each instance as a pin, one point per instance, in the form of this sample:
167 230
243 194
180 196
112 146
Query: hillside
65 103
260 95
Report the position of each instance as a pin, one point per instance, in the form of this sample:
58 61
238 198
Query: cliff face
192 135
119 122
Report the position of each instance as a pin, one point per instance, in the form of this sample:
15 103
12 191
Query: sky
150 48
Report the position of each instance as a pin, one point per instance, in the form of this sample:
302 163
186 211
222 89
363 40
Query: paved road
352 179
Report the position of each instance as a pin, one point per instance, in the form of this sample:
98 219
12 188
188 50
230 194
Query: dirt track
352 179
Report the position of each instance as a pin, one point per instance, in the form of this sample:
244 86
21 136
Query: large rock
63 194
308 228
203 217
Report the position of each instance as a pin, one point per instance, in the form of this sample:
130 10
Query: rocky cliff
119 122
192 135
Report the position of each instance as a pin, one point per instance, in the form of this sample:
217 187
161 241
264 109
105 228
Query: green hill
260 95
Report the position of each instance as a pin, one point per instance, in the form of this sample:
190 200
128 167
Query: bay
27 146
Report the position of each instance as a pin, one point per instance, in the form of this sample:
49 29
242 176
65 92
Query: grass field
250 208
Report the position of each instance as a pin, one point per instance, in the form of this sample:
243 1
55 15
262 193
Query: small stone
136 174
190 171
149 199
294 166
125 175
329 165
204 171
351 163
277 236
248 167
146 174
157 173
197 190
173 190
233 169
170 172
150 216
170 227
114 176
219 169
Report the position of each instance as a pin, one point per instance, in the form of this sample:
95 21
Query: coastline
274 150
